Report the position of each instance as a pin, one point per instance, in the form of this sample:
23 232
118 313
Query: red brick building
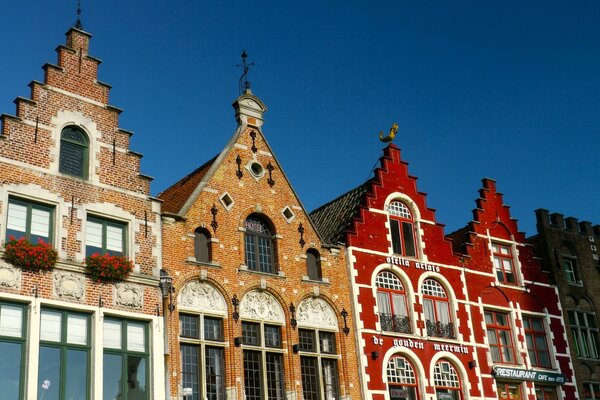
260 308
469 316
68 178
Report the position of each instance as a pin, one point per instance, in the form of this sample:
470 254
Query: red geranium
21 253
107 267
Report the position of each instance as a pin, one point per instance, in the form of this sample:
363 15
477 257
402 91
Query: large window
263 361
585 333
591 390
510 391
447 382
570 267
500 337
202 356
504 263
73 157
30 220
12 350
125 375
402 229
64 366
105 236
391 301
313 265
537 344
437 310
318 364
259 245
401 378
202 247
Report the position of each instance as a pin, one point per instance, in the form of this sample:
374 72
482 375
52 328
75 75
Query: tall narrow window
12 350
29 220
391 301
447 382
263 361
500 337
64 355
126 366
585 333
401 378
202 248
313 265
402 229
73 157
503 263
104 236
570 267
437 310
318 364
537 344
259 245
202 356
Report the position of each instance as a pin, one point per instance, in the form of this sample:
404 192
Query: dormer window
503 263
313 265
74 148
202 248
402 229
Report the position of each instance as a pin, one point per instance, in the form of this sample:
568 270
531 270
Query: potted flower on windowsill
23 254
108 268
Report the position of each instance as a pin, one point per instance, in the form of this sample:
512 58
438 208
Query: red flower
24 254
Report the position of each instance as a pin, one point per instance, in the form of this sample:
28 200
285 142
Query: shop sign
403 262
419 344
529 375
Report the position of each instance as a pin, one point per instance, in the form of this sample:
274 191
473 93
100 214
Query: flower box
23 254
108 268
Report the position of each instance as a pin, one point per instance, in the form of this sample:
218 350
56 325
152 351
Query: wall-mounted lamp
375 355
296 348
344 315
166 286
293 321
237 341
472 364
235 314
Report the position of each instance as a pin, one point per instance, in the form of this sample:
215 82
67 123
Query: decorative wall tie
301 231
270 168
214 222
253 136
238 161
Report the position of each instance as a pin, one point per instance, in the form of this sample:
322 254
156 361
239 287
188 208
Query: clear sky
508 90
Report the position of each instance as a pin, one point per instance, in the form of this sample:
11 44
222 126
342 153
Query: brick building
260 305
569 253
68 178
445 317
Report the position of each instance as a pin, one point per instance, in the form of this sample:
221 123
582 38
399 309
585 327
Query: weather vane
244 84
392 134
78 24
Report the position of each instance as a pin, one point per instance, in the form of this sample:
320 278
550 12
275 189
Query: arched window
402 229
73 159
391 301
313 265
401 378
202 248
570 266
259 245
446 381
437 310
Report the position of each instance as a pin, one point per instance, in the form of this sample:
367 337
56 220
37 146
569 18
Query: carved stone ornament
69 284
317 313
10 277
202 296
128 295
262 306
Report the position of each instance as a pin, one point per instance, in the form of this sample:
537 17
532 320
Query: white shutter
11 321
112 334
17 217
93 234
77 329
136 337
114 238
40 222
50 326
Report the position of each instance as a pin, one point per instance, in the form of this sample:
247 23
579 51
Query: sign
419 344
529 375
403 262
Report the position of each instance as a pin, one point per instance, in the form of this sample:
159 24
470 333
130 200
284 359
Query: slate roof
333 218
175 196
460 238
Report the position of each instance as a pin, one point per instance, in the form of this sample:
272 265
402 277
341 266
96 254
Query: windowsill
244 268
322 281
192 261
510 285
576 284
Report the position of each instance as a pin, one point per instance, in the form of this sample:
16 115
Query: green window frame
28 219
126 374
104 236
64 370
74 152
13 338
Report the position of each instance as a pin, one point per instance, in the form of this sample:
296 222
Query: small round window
256 169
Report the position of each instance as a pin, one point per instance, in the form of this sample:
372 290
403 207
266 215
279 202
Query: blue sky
506 90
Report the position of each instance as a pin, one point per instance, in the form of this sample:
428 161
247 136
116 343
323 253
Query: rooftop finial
78 23
244 85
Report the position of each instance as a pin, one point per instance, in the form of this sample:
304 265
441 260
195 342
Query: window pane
395 230
10 370
17 220
312 268
190 377
272 336
112 334
275 384
136 378
327 342
40 225
49 370
252 375
201 246
215 373
383 303
93 237
409 239
307 340
399 305
136 340
71 158
111 377
428 310
251 333
50 326
11 321
250 253
76 374
188 326
114 239
77 329
213 328
310 378
330 379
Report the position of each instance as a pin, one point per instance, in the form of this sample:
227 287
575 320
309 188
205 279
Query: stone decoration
69 284
202 297
10 277
261 306
316 312
128 295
